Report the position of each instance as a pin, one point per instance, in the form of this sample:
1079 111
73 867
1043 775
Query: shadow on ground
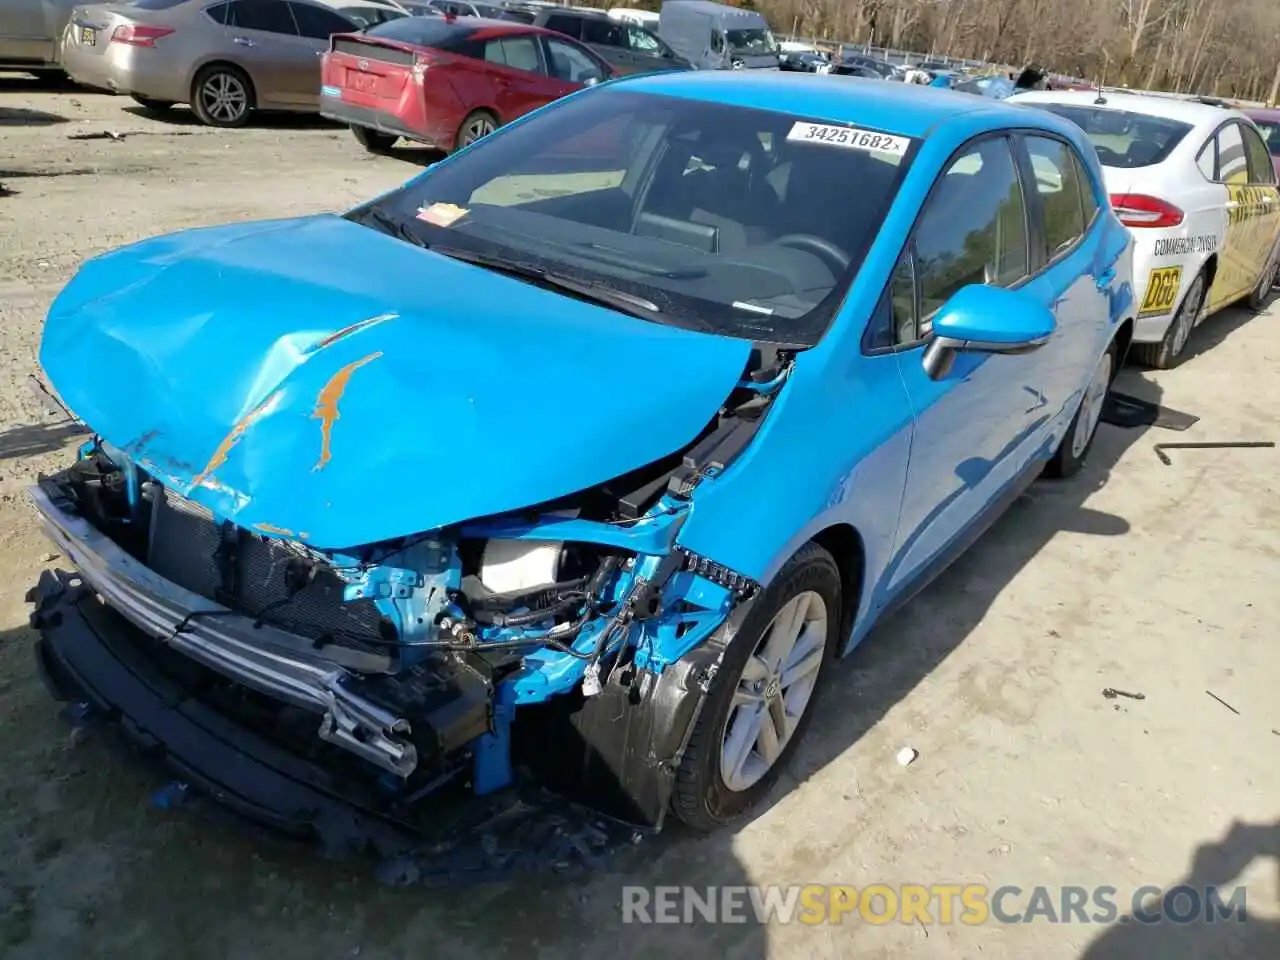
29 440
96 868
44 81
1214 330
1148 931
182 116
25 117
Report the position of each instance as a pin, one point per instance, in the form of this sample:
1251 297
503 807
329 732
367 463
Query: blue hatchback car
582 453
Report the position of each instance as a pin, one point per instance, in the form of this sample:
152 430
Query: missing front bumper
264 658
91 656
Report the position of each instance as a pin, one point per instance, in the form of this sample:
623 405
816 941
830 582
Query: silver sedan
226 58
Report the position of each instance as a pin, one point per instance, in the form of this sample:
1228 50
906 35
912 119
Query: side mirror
987 320
591 79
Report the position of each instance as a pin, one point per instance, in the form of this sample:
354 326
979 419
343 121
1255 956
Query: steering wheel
825 250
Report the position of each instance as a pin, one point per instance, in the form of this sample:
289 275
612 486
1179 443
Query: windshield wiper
594 292
394 226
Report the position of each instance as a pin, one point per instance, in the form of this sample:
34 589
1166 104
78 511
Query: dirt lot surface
1150 578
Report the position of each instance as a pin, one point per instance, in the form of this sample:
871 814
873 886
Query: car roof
341 4
1194 112
907 110
1267 114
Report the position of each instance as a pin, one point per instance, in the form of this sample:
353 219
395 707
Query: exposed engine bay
409 663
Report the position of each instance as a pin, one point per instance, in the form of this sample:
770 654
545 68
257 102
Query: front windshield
733 220
1123 138
758 40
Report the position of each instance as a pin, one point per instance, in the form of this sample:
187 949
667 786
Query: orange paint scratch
353 328
231 439
326 410
268 528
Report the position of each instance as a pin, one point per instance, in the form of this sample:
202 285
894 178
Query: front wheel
759 704
1078 441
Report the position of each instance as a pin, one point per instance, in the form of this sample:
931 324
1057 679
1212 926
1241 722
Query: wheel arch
222 61
1122 339
846 547
1210 269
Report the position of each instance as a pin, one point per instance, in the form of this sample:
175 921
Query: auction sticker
1162 291
849 137
442 214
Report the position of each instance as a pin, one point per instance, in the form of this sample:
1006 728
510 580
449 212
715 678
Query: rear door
1077 273
1237 258
571 66
517 75
25 30
282 65
1266 206
316 25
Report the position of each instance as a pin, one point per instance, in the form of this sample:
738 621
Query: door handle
243 42
1105 278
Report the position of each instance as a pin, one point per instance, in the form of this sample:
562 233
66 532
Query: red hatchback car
447 81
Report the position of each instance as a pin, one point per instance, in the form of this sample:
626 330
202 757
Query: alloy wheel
774 691
478 128
224 97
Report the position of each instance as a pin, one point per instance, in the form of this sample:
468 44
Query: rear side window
1057 181
217 13
1123 138
318 23
1233 162
1261 169
569 26
518 53
269 16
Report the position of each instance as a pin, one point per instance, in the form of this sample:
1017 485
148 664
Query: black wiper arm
594 292
394 226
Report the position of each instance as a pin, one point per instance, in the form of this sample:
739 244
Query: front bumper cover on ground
93 658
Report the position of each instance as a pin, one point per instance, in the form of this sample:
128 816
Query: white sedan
1195 184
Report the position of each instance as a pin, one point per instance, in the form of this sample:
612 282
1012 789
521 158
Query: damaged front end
573 640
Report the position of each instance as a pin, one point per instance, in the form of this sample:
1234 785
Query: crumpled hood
318 379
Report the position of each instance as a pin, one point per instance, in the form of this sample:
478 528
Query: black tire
701 798
1261 295
1067 460
1168 352
375 141
149 103
478 124
207 81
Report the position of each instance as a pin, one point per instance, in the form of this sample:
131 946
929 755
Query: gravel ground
1135 575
